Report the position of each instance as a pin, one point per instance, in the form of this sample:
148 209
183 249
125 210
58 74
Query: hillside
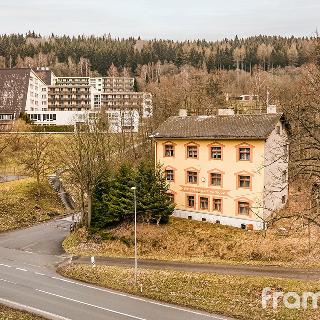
185 240
74 55
19 206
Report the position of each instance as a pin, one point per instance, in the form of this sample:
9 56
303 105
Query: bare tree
86 156
36 157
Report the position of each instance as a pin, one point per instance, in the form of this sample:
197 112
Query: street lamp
135 236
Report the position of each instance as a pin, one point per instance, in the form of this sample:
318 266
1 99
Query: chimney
225 112
272 109
183 113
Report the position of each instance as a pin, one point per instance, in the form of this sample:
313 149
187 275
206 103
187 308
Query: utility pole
135 236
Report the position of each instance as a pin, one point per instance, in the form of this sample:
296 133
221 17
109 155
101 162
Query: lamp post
135 236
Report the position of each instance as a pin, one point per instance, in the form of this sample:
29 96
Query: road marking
77 301
11 282
21 269
90 305
120 294
32 309
138 298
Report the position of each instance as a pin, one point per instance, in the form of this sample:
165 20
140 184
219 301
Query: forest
64 53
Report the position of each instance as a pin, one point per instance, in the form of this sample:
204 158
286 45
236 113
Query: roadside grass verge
20 206
235 296
193 241
7 313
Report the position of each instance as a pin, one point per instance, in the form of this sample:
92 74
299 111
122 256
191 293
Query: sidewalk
258 271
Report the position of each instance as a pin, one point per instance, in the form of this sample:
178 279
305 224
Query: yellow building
228 169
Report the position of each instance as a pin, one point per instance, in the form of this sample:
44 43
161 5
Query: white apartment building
68 100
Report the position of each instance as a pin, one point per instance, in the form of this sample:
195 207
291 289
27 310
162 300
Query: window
283 199
169 150
217 205
243 208
192 177
6 116
169 175
216 152
192 151
244 153
171 197
216 179
204 203
244 181
190 201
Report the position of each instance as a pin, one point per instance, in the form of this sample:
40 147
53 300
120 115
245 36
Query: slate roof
13 90
218 127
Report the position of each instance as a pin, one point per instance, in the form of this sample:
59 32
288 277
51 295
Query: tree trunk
38 185
89 209
82 206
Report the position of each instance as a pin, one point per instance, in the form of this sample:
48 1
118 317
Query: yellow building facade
219 177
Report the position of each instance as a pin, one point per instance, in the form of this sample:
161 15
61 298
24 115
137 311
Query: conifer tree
154 204
160 204
121 202
100 203
145 179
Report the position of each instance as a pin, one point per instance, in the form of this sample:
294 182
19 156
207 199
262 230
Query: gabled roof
13 90
218 127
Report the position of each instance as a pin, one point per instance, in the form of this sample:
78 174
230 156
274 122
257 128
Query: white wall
58 117
275 163
127 120
34 96
213 218
118 121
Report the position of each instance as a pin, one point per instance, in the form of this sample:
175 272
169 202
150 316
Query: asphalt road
28 281
248 270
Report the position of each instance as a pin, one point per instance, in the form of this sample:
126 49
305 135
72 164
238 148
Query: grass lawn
185 240
7 313
236 296
19 206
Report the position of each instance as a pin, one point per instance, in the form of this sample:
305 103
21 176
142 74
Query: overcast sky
172 19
